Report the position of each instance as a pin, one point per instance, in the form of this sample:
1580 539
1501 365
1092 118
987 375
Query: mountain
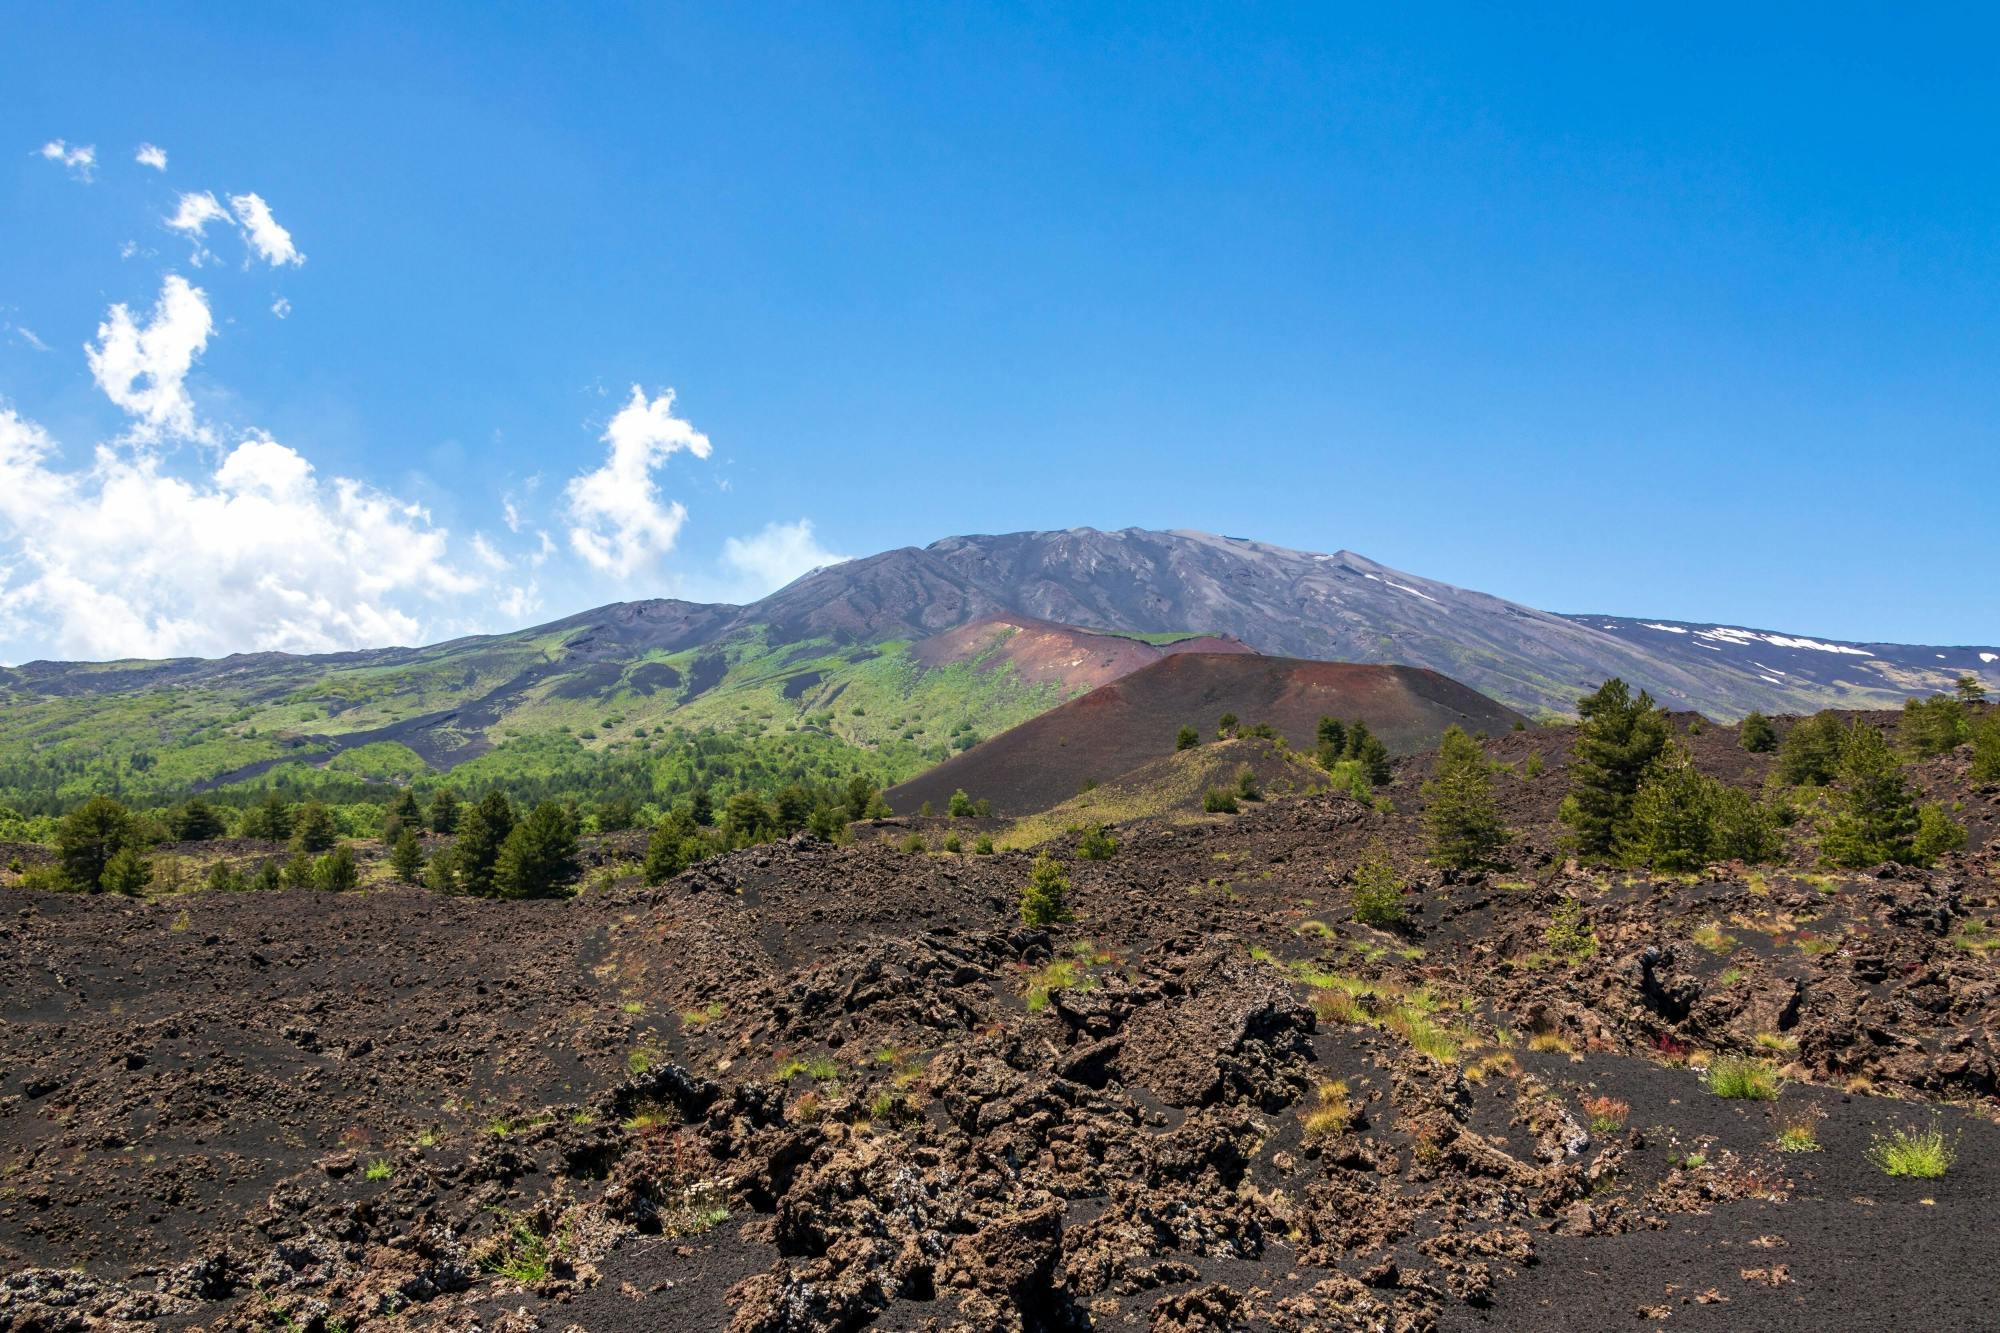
884 665
1346 607
1128 722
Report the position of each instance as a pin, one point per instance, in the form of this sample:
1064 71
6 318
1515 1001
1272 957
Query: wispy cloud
271 241
22 333
151 155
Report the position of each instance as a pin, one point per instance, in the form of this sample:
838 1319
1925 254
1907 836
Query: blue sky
1691 317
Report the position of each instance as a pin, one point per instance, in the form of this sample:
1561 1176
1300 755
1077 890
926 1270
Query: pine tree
313 831
127 872
336 872
88 837
1332 737
1756 734
405 808
1461 818
444 811
1672 821
1810 754
1986 749
406 858
1969 690
1937 833
196 821
1617 739
1876 816
701 807
1746 829
441 874
960 805
1045 900
481 831
1375 890
1369 752
270 819
539 856
1933 726
674 846
747 819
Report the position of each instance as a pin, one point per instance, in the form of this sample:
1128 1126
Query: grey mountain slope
1344 607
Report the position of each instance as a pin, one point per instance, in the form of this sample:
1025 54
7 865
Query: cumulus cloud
272 242
770 559
619 522
80 161
143 368
281 307
123 558
151 155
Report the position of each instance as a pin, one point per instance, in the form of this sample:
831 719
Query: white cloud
151 155
619 521
80 161
271 242
774 557
123 558
281 307
489 557
26 335
518 603
196 210
143 369
511 514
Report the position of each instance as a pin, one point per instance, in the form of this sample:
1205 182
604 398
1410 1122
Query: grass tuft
1332 1111
1743 1079
1922 1154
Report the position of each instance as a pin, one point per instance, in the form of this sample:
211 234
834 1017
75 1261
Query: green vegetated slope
525 711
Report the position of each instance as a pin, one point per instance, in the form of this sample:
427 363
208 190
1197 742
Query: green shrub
1097 844
1375 891
1937 833
1187 738
1986 748
1756 734
1933 726
1247 786
1569 932
982 845
1743 1079
1045 900
1219 801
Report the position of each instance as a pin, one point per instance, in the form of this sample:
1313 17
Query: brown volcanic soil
834 1045
1119 726
1042 652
